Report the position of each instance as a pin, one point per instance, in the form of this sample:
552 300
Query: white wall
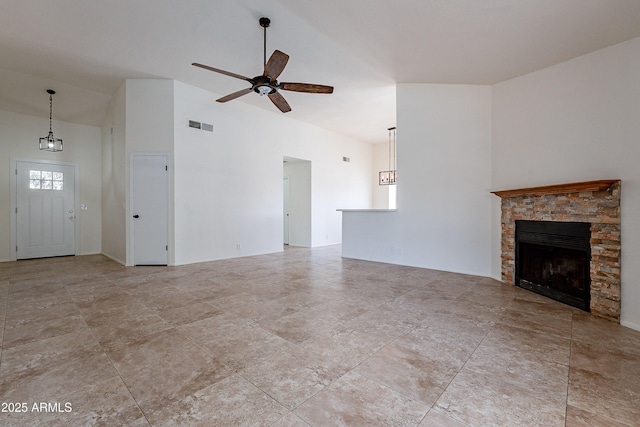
380 163
228 183
114 184
141 116
444 166
149 115
300 191
149 129
577 121
19 134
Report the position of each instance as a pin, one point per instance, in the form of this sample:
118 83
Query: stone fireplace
595 203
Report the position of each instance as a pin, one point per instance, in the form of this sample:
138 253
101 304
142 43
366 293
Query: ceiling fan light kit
267 83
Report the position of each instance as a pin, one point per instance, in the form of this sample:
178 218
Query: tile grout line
126 386
365 359
566 400
467 361
4 317
388 386
411 329
330 383
91 331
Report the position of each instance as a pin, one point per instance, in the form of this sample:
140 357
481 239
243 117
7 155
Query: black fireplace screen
552 259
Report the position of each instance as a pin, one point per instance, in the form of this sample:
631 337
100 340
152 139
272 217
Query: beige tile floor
301 338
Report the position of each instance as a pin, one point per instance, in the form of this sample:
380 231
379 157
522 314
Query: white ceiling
86 49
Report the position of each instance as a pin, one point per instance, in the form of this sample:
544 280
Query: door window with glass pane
46 180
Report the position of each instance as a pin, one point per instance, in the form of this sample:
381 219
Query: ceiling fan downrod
264 23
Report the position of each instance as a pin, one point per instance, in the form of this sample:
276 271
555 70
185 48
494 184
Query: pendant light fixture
389 176
49 142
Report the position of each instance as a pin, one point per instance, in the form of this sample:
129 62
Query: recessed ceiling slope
470 41
93 46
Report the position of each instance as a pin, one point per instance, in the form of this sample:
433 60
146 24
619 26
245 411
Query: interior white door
286 208
45 216
149 207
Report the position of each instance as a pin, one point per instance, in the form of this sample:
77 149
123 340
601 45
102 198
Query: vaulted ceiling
86 49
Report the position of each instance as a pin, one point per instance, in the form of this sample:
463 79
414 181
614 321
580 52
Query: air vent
202 126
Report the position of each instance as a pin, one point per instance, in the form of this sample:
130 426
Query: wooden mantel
574 187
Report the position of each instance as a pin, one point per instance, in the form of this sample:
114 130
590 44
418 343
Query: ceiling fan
267 83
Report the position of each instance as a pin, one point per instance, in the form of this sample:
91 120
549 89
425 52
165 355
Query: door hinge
166 247
16 171
166 167
16 249
16 210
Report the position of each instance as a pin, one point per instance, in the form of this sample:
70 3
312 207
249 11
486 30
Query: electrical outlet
238 246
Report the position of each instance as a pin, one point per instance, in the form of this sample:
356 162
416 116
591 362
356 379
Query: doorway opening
296 202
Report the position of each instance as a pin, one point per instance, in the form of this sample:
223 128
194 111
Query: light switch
83 207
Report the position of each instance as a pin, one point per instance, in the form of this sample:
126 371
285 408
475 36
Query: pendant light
389 176
49 142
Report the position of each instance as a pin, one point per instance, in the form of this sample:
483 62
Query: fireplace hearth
552 259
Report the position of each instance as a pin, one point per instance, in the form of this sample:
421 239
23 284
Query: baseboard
630 325
321 245
244 255
114 259
415 265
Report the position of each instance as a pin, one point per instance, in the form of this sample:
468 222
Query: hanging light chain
392 171
389 162
50 110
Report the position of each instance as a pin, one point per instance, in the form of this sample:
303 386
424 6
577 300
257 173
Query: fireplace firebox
552 259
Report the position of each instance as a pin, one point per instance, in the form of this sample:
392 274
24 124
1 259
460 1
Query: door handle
136 216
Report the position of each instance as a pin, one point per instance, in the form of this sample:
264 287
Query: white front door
149 208
45 215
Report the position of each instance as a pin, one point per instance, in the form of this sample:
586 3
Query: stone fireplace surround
595 202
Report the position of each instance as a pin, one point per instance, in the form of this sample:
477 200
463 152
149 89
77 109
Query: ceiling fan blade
235 95
279 101
226 73
306 87
275 64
